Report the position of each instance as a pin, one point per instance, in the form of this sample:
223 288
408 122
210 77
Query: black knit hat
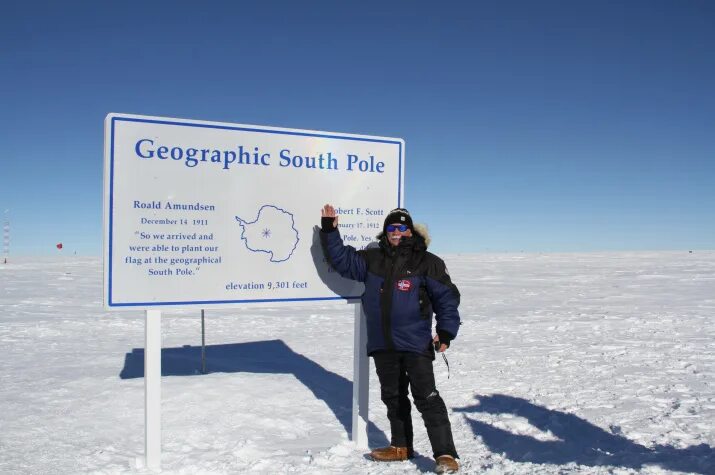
398 215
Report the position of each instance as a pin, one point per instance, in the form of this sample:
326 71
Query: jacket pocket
425 304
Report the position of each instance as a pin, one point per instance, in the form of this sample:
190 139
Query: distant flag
59 245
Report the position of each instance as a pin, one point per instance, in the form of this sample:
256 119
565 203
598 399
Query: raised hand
328 211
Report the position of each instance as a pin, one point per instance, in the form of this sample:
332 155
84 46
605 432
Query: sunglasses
391 228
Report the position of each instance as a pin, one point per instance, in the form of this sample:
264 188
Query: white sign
215 214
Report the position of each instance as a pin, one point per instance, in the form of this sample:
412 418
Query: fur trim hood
419 229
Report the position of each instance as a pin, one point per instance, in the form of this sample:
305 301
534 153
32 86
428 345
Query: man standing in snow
404 286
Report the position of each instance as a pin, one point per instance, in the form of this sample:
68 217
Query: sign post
152 390
203 343
204 215
361 380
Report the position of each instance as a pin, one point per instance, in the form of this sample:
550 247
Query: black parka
404 286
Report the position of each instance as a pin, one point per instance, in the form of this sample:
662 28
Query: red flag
59 246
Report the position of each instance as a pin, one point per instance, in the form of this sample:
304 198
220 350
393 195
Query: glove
444 339
327 224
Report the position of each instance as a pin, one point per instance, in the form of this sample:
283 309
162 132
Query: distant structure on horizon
6 237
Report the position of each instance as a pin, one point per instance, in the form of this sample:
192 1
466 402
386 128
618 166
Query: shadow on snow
272 356
580 441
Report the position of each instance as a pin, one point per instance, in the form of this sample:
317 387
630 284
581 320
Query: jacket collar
415 243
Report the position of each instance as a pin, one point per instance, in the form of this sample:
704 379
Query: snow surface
565 363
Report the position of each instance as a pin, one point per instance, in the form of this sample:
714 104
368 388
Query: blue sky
530 126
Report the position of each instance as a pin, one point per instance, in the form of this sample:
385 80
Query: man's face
394 236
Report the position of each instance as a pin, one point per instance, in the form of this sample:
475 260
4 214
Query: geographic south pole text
148 149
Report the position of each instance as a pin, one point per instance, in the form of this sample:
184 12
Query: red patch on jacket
404 285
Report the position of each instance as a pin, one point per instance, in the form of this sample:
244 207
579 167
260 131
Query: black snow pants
396 371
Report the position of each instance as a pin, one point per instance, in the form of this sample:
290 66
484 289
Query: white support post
152 390
361 380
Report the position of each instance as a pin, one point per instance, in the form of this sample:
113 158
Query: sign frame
111 122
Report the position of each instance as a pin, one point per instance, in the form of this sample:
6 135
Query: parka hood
419 230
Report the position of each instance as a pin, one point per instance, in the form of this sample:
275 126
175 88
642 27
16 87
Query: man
404 286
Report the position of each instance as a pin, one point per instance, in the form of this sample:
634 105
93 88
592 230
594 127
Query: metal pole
152 390
361 380
203 343
6 236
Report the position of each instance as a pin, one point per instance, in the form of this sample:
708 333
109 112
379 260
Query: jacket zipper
386 300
